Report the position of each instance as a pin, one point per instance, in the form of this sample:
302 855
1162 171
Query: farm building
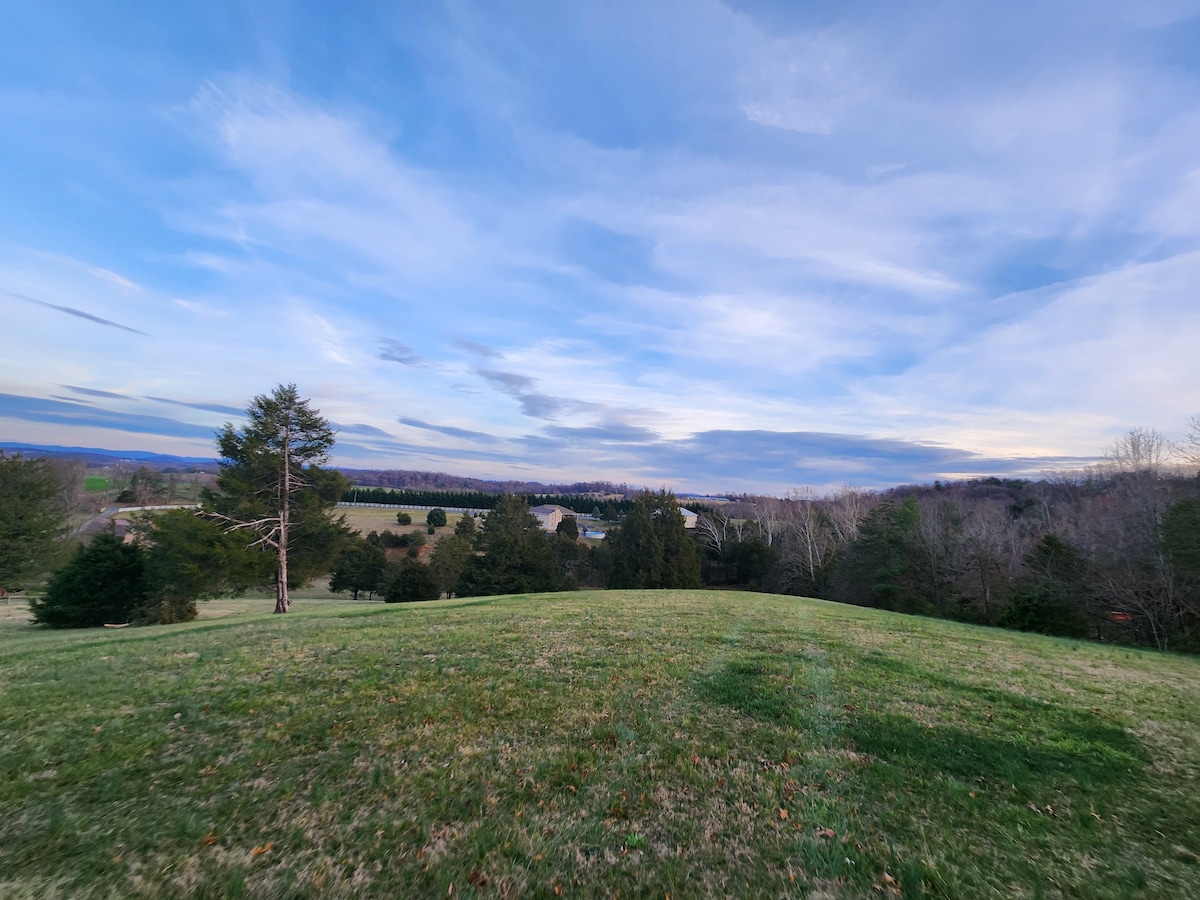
549 515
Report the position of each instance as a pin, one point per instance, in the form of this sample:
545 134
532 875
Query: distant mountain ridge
399 479
98 456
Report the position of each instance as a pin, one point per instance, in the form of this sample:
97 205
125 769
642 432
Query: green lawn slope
636 744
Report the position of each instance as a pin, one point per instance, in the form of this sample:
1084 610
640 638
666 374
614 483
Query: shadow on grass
1007 736
767 687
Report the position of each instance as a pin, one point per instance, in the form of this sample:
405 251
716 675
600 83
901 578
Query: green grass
630 743
95 483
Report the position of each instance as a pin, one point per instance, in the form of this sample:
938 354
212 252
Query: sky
741 246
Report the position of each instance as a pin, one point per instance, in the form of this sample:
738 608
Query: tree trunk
282 603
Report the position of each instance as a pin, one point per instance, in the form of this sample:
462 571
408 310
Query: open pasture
676 743
378 518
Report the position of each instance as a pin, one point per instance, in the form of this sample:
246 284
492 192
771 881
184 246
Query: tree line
608 509
405 479
1110 553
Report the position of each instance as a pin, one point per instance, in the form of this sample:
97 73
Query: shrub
436 518
103 584
408 539
391 539
403 518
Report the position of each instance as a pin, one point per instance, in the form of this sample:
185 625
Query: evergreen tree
1181 543
651 548
407 580
512 554
359 568
450 557
1050 599
32 518
883 567
272 485
189 557
103 584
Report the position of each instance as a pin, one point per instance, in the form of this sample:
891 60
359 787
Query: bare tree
714 530
939 540
847 508
989 541
770 519
1188 449
1139 449
810 545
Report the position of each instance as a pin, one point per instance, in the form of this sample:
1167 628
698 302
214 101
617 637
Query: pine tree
272 485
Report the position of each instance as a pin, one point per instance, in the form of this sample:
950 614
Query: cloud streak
78 313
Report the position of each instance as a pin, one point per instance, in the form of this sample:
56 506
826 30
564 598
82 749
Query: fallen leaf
783 813
826 832
265 848
888 878
210 839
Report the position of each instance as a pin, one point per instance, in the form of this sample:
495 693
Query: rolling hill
676 743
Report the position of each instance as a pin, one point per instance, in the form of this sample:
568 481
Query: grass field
378 518
95 483
681 744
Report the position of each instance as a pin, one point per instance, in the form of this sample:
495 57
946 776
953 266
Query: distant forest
1111 553
609 509
439 481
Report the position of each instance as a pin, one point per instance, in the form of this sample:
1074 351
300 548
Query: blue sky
714 246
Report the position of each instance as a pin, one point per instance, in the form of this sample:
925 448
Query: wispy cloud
394 351
80 415
78 313
759 243
521 387
465 434
92 392
479 349
206 407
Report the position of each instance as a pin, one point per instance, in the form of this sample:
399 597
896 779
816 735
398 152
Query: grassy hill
681 744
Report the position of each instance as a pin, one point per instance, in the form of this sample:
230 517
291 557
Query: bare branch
1139 450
